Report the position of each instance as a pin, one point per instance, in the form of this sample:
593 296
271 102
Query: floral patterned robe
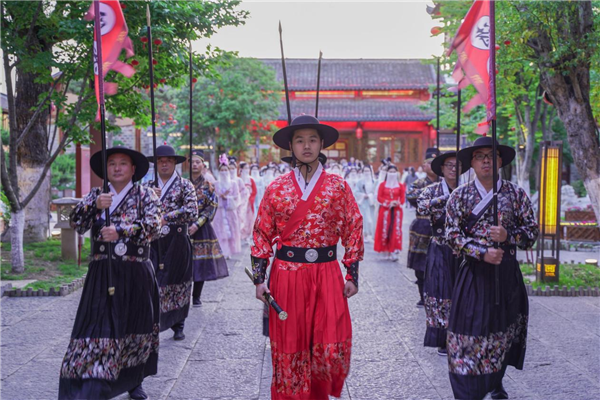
311 349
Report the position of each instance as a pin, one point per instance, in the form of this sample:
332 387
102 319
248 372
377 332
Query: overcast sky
341 29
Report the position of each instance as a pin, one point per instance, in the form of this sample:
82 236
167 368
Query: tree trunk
36 223
16 241
574 110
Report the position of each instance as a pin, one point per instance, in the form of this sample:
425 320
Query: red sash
301 210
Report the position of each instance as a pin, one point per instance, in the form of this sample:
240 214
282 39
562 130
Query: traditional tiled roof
358 110
356 74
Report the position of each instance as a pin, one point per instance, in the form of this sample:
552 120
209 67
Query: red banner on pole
475 66
114 40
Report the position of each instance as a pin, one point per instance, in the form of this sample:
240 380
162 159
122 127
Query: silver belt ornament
311 255
120 249
165 230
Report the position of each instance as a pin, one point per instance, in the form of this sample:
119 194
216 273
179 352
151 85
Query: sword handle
280 313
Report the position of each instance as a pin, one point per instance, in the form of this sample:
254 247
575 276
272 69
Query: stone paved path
225 355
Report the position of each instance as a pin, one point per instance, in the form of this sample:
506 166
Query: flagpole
437 128
492 74
191 103
98 32
318 84
285 83
458 107
153 113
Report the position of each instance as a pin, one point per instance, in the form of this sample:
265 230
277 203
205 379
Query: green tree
545 47
47 56
239 93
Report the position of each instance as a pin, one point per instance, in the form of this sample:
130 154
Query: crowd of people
169 235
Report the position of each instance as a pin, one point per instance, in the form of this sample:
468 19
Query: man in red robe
306 212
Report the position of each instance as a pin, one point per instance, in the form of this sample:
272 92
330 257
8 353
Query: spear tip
148 14
280 30
320 54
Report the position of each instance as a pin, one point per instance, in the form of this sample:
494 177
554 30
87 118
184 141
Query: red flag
114 40
473 45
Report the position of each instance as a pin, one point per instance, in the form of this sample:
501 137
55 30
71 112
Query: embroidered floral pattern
415 191
432 203
137 218
333 216
207 201
478 355
292 373
104 358
206 249
174 297
515 214
437 312
179 204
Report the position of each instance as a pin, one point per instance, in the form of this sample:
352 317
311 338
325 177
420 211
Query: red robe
388 234
311 349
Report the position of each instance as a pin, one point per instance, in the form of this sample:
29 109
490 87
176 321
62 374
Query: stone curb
54 291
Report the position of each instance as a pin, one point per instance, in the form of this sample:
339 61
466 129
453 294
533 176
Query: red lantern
436 30
194 80
497 47
359 133
154 62
507 42
123 6
187 127
163 80
175 122
135 62
217 130
170 118
157 42
163 123
144 39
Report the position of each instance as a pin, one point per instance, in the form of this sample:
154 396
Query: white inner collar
166 184
307 189
118 197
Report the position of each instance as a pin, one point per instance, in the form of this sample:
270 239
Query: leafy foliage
63 172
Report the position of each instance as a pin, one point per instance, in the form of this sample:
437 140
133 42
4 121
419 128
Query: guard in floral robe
172 253
208 261
114 343
442 264
485 337
420 228
306 212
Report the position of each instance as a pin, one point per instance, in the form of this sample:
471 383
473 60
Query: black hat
436 164
507 154
431 153
166 151
322 159
391 166
283 137
199 153
138 159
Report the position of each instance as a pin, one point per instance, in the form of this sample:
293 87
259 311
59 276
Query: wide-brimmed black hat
138 159
198 153
283 137
507 153
166 151
438 162
322 159
431 153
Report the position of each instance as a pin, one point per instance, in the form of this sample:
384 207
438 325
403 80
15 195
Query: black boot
138 393
499 392
196 301
179 335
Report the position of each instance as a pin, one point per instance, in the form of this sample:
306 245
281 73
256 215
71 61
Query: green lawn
569 274
43 262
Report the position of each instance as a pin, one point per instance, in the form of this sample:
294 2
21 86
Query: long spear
492 101
285 83
318 84
98 61
458 107
437 124
191 102
153 113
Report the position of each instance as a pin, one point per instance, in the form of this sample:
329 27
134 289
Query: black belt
311 256
172 229
122 249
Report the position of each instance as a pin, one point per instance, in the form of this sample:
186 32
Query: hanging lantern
187 127
497 47
175 122
157 42
163 123
194 80
163 81
507 42
359 133
135 62
154 62
436 30
144 39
